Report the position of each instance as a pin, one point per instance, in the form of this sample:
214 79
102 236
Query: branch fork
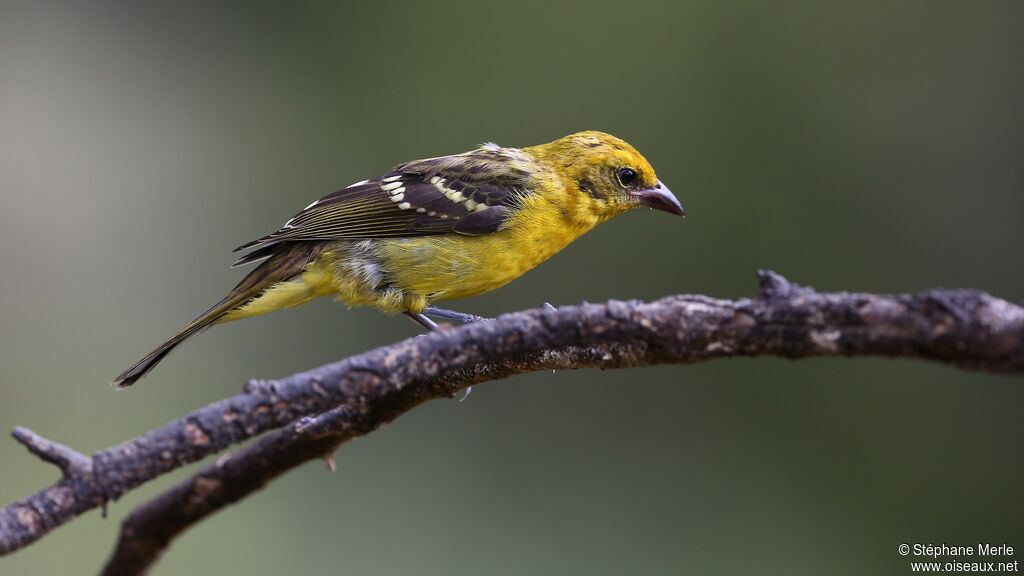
307 416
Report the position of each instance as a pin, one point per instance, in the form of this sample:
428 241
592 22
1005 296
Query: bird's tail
283 265
205 320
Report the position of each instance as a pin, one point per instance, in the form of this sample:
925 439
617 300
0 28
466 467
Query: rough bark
316 410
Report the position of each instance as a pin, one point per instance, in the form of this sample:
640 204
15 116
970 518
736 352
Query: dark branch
968 329
151 527
71 463
24 521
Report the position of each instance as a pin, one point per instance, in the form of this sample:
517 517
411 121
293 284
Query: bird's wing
471 194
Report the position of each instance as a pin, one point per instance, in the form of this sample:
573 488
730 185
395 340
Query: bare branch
28 519
964 328
71 463
151 527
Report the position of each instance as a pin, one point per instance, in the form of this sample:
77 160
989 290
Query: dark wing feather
470 193
481 223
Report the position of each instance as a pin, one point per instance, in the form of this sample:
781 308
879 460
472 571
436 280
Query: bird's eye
627 177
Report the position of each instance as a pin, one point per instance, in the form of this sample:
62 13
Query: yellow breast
456 266
405 274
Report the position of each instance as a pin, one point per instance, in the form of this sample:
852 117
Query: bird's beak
660 198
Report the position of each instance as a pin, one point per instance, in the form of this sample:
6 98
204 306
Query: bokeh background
872 146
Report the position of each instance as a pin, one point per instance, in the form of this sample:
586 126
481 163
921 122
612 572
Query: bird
435 229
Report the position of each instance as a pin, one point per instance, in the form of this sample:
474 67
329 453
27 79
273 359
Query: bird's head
606 174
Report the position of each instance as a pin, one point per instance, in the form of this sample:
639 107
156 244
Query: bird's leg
423 321
447 315
432 326
452 315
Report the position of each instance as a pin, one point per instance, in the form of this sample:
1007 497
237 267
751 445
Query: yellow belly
454 266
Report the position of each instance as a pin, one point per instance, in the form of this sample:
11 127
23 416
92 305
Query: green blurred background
870 146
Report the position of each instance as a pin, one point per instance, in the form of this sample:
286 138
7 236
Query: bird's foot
422 320
453 315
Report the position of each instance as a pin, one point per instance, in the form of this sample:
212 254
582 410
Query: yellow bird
436 229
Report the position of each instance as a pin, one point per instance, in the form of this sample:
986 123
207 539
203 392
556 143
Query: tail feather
205 320
284 263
